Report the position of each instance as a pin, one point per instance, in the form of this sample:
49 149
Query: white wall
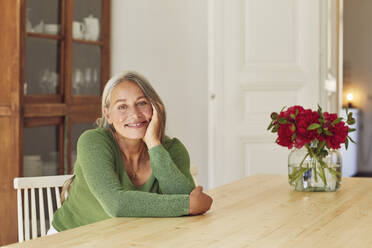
166 40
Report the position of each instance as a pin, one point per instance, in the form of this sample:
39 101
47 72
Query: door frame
331 55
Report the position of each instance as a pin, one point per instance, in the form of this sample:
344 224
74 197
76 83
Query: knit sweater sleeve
95 155
171 167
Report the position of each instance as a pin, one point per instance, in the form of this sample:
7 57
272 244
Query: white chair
28 185
194 173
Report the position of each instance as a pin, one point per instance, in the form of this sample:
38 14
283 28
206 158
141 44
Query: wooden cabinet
54 62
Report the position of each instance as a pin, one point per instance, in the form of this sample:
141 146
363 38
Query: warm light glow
349 96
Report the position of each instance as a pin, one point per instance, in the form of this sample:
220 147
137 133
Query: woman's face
130 111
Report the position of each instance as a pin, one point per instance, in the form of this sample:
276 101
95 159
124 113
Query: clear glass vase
310 173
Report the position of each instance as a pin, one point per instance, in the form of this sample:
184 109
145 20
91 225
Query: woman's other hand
199 201
151 137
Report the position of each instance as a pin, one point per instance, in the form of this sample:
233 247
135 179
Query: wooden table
258 211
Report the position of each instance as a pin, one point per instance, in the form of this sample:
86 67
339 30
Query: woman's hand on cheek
151 137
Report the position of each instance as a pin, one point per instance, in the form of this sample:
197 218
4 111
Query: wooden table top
257 211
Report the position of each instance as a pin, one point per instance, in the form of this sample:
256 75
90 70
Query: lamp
349 98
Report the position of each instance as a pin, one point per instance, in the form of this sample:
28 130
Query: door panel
264 55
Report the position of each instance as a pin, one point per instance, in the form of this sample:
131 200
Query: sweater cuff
187 205
156 149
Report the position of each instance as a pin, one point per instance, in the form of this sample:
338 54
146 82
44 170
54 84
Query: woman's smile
137 124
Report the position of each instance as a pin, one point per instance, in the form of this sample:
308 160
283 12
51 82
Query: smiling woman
127 166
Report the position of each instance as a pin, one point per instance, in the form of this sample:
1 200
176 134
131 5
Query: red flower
338 131
303 121
292 110
285 135
285 131
297 127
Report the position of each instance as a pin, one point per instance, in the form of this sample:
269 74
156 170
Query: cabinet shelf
88 42
45 36
36 110
52 98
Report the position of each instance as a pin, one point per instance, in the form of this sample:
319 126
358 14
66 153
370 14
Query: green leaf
351 130
338 120
282 120
275 129
319 108
328 132
293 127
319 130
347 143
292 116
293 137
351 139
297 112
314 126
351 121
320 112
270 126
274 116
283 108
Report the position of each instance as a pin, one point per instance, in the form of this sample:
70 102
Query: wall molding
272 86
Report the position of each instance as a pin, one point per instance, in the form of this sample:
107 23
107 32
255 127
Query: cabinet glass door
43 47
41 151
86 47
87 20
43 17
77 130
41 66
86 69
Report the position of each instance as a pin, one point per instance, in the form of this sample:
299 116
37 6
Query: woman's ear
107 115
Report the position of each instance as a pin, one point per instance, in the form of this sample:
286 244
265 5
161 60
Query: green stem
315 172
316 158
307 154
310 151
320 148
297 173
322 164
334 172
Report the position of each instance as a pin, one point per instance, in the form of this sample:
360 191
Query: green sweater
102 189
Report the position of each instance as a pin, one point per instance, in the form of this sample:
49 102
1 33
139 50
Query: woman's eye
122 107
142 103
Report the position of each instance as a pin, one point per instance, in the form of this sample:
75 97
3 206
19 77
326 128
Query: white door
263 54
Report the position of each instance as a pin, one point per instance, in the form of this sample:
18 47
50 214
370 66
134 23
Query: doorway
357 75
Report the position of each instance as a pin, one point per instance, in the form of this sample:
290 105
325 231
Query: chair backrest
194 173
45 186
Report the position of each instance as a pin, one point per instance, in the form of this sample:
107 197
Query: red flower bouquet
317 135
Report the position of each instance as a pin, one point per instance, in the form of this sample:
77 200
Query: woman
127 166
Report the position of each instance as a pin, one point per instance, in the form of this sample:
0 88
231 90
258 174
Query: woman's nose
134 111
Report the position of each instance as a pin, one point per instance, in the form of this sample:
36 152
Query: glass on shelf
43 16
76 131
87 18
41 151
41 66
86 69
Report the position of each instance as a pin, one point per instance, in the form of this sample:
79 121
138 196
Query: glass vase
311 173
